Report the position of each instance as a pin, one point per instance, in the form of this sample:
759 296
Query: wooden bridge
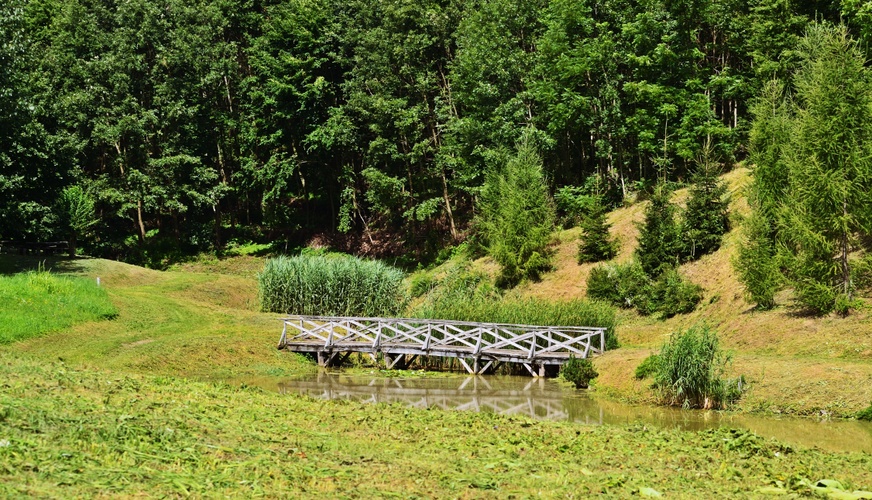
478 346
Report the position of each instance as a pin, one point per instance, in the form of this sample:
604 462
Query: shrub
579 371
421 284
572 203
648 367
674 295
691 369
705 219
596 245
331 286
865 414
517 217
622 285
756 263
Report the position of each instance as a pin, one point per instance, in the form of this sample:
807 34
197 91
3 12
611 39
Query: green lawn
36 302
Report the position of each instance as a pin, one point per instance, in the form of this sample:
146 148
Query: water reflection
546 399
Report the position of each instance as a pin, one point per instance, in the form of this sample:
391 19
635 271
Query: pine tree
517 216
596 245
660 235
705 219
828 206
757 261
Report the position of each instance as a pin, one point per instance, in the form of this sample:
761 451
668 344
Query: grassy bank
37 302
83 432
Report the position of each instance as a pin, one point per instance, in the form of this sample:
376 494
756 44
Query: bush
691 369
648 367
705 219
865 414
579 371
421 284
674 295
756 263
622 285
627 286
331 286
659 235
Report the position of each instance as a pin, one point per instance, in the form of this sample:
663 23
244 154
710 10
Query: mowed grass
72 432
169 323
36 302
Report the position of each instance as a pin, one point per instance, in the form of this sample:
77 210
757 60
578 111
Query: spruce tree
517 216
757 262
705 219
660 235
596 244
827 210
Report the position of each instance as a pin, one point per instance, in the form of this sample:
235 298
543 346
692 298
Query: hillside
795 363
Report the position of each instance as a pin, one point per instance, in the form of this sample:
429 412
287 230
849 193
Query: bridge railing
433 337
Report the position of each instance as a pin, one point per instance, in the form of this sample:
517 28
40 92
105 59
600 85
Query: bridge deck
483 344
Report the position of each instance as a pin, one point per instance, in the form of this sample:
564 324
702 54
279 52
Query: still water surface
546 399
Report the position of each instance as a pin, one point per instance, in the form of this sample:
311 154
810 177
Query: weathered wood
401 339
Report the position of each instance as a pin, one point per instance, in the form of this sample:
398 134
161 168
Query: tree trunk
140 222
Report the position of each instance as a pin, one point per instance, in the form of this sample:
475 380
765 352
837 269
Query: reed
691 368
331 286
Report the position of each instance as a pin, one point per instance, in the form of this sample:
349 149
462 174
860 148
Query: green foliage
627 286
865 414
517 217
814 178
649 367
672 294
659 235
691 368
573 204
76 214
706 218
596 244
39 302
579 371
623 285
176 436
331 286
756 263
466 296
421 283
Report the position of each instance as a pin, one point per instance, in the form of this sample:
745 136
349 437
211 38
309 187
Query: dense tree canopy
195 122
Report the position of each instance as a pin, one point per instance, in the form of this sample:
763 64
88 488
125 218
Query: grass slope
37 302
795 363
67 432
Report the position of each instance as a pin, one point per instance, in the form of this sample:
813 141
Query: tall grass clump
690 371
331 286
38 302
467 296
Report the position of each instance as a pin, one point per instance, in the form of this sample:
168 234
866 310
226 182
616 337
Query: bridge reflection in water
535 398
547 399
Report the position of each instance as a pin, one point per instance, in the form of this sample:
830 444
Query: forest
190 125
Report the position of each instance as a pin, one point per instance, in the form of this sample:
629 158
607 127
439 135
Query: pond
548 399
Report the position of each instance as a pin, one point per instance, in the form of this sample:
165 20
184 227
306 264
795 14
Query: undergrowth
464 295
